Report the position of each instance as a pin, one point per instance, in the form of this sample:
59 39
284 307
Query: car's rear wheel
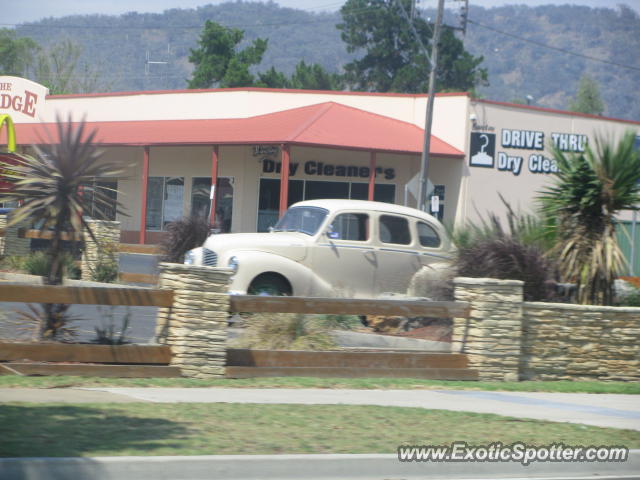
269 284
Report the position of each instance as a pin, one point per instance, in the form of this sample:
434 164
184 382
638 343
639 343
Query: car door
344 255
398 258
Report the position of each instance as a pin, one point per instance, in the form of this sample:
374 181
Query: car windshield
301 219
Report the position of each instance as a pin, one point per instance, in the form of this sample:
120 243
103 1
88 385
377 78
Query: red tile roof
324 125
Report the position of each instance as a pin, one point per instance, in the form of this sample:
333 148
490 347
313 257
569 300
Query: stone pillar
11 244
196 326
491 337
102 250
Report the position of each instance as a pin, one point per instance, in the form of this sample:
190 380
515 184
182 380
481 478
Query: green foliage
305 77
183 235
105 272
115 46
589 190
59 68
394 60
588 98
218 62
17 54
39 263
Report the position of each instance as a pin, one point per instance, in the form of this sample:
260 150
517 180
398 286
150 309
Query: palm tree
591 188
53 188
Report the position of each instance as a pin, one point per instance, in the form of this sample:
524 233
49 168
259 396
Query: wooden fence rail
141 297
348 306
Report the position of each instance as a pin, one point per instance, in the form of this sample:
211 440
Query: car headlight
189 258
233 264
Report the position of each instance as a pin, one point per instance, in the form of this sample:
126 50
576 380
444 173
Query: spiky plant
590 189
53 188
183 235
518 252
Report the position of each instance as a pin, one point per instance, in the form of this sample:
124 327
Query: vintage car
341 248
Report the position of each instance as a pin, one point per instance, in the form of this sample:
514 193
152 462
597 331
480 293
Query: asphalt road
303 467
88 318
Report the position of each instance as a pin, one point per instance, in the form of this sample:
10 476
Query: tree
590 189
217 61
17 55
305 77
394 61
588 98
58 69
48 185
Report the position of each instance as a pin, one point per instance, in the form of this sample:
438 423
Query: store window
382 192
164 201
99 209
201 200
269 198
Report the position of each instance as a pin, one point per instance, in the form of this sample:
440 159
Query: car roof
341 204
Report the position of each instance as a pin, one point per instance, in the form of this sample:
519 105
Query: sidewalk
602 410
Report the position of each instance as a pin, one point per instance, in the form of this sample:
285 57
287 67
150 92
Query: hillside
117 47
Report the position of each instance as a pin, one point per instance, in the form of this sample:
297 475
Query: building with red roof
264 149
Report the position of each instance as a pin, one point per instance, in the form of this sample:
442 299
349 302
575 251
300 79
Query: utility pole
424 165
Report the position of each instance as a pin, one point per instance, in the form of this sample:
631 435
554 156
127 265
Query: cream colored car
344 248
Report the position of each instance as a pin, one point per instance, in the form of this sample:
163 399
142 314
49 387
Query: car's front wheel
270 284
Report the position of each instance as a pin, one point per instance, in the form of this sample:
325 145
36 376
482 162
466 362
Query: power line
551 47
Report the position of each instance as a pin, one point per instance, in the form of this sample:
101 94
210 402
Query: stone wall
580 342
11 244
196 326
508 339
101 250
491 336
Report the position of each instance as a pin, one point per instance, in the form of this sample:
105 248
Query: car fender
303 280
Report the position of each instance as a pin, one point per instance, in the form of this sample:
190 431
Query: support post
424 166
492 336
143 196
213 195
284 181
372 176
196 326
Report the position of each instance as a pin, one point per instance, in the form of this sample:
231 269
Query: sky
20 11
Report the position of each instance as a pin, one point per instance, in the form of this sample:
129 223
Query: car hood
292 245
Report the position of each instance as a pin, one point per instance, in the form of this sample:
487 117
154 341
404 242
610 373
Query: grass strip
14 381
56 430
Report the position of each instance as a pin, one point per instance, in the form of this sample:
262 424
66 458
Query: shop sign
482 150
21 97
313 167
265 150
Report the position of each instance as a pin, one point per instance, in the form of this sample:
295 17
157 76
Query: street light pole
424 164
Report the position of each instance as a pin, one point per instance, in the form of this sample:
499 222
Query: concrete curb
284 467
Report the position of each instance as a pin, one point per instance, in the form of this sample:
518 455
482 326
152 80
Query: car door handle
370 254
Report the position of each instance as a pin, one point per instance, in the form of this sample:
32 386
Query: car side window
350 226
428 236
394 230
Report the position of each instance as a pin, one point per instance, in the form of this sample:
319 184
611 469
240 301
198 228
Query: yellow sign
11 132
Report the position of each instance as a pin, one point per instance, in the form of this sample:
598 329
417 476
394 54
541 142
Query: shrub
508 258
287 332
39 263
488 250
183 235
